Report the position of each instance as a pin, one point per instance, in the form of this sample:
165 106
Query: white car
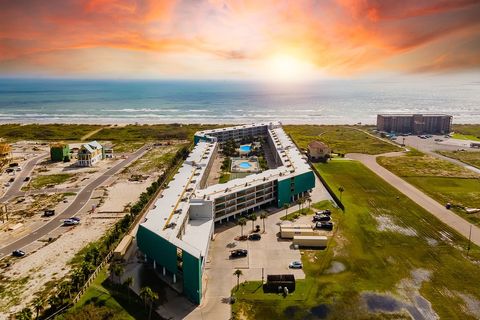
295 265
70 222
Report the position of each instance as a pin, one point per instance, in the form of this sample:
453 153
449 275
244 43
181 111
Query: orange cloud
340 36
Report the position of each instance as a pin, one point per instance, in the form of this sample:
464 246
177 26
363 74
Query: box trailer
122 247
290 233
310 241
295 226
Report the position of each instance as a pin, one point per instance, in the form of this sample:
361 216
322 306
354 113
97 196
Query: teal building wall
284 192
155 247
293 186
192 277
304 182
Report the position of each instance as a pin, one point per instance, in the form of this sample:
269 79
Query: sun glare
284 67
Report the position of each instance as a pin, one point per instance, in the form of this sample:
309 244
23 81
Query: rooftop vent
171 225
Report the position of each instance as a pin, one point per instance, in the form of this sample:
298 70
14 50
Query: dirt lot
47 261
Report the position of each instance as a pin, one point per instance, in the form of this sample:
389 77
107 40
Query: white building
89 154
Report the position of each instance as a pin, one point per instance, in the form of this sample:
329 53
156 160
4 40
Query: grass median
384 246
469 157
444 181
41 181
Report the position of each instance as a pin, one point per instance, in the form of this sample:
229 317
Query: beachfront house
89 154
318 151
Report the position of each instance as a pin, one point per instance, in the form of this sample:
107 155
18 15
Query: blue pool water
245 148
245 165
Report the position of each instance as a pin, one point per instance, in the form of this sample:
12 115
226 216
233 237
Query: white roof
92 145
171 211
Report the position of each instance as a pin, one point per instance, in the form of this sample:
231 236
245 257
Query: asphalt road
78 203
16 185
448 217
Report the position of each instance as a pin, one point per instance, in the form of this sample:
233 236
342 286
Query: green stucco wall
304 182
283 192
301 183
155 247
59 153
192 277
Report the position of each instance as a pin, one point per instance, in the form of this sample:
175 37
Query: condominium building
414 123
177 230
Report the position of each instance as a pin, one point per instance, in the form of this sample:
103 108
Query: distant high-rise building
414 123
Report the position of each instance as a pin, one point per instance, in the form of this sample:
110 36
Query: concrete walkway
432 206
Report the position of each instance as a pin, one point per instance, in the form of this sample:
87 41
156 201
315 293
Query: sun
284 67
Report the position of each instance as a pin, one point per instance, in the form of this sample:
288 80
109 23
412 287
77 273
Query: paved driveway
14 189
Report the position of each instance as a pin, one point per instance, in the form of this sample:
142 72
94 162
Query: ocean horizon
230 102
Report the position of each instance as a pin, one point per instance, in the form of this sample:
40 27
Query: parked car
438 140
9 170
18 253
295 265
326 211
321 217
7 184
238 253
70 222
48 213
26 179
326 225
11 180
254 236
18 168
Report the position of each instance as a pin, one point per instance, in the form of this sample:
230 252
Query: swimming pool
244 165
245 148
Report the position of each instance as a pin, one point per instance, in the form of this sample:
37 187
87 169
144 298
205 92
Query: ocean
321 102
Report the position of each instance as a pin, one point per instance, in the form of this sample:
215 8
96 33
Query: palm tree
38 305
117 270
299 202
263 216
127 283
341 189
253 218
309 200
242 222
286 206
238 273
149 295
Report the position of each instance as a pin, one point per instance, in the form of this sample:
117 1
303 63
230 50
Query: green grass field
384 241
340 139
15 132
41 181
103 301
465 137
467 131
469 157
419 165
441 180
149 132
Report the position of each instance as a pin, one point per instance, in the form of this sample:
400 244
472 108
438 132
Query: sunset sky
250 39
